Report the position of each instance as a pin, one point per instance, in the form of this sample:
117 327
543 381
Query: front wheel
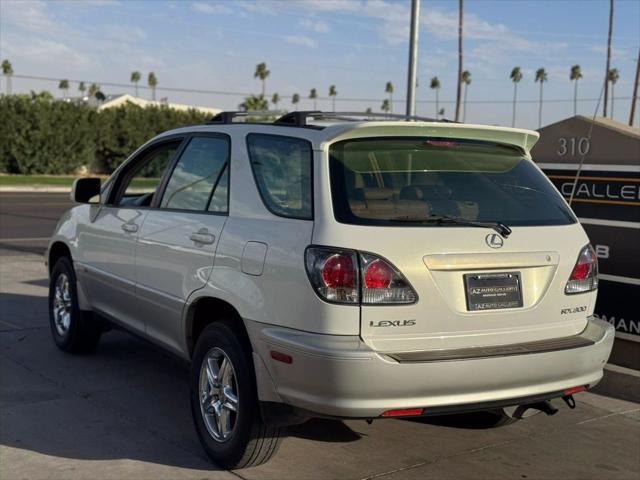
73 330
224 401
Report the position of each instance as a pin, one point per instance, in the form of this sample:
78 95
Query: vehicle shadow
126 400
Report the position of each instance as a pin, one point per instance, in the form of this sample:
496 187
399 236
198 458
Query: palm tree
262 73
441 112
606 72
516 76
313 95
541 76
466 79
459 85
135 78
275 99
7 71
152 81
388 88
435 85
613 78
332 93
93 89
295 99
82 88
574 76
64 86
386 106
254 103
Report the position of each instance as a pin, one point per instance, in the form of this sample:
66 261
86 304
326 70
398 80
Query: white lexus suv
324 265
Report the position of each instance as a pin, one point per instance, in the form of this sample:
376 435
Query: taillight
584 277
383 283
346 276
334 274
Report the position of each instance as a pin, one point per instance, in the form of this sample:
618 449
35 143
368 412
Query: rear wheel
72 329
224 401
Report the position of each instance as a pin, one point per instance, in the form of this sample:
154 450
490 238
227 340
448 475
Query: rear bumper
341 376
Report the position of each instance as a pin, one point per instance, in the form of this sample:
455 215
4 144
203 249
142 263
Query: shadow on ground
126 400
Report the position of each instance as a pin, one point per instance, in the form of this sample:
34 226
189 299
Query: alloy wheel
62 304
218 395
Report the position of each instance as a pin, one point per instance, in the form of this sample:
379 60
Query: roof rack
229 117
301 118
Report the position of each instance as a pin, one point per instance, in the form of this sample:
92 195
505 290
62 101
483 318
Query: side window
282 169
199 176
140 184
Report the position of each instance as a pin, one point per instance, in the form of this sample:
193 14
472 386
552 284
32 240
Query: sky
357 45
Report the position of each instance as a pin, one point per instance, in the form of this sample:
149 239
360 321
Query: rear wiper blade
499 227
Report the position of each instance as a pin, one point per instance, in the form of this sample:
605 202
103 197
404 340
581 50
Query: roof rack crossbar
229 116
298 118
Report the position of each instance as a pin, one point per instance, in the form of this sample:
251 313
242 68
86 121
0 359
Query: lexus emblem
494 240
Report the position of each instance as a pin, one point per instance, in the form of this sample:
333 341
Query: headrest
436 192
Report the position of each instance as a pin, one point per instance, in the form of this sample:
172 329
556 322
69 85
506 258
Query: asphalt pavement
27 220
123 411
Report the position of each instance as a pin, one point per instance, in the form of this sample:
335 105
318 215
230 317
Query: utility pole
634 97
413 58
606 74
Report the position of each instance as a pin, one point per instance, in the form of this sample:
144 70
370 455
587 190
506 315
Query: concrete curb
34 189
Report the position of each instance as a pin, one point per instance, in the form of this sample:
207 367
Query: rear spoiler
521 138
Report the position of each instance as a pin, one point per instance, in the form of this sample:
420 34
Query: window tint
141 183
415 181
194 177
282 169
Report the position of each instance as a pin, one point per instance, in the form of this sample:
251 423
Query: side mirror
84 190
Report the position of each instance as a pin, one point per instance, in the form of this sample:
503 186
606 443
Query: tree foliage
40 135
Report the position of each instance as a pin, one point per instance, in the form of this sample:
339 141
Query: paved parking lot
123 413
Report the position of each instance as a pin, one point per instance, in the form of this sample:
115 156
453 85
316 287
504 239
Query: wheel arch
204 311
57 250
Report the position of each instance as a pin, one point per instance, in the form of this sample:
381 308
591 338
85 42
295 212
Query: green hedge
40 135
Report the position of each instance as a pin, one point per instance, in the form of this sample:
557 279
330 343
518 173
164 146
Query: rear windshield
393 181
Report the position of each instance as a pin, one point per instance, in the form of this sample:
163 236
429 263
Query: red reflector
281 357
441 143
403 412
339 271
378 275
579 388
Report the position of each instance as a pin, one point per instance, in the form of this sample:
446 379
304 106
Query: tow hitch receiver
570 401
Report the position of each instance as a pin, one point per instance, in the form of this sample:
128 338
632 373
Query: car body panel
108 262
343 377
162 288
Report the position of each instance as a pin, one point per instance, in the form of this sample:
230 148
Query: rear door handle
203 238
130 227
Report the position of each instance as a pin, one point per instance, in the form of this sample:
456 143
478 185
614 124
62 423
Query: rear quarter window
282 169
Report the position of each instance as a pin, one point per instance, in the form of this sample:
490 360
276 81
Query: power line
288 96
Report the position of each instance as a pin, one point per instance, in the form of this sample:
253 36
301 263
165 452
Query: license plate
491 291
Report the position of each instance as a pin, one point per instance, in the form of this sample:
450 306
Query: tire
73 330
244 440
